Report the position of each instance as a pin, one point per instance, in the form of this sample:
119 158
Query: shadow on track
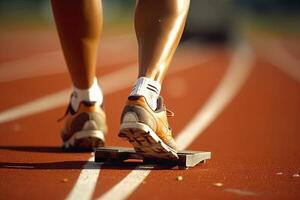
88 165
126 165
43 149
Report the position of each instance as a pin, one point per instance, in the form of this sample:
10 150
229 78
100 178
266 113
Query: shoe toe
171 143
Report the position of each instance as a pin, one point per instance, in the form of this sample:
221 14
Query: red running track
254 140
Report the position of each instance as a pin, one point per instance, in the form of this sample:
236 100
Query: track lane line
134 177
110 83
48 63
232 82
86 182
281 59
236 75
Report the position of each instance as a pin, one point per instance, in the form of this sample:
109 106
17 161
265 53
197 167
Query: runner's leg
144 123
79 24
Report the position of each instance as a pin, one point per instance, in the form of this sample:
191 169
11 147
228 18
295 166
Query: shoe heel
86 139
130 117
130 128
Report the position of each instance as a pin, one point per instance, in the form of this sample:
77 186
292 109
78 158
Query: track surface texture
248 103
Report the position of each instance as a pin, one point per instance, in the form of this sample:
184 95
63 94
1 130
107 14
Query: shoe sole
85 140
146 142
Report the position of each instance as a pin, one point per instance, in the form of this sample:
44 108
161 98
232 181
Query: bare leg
79 25
159 26
144 121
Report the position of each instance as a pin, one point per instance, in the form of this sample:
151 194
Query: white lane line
87 181
133 180
230 85
37 65
240 192
281 59
233 80
125 187
49 63
110 83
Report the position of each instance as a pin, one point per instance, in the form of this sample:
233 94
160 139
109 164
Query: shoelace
67 110
66 113
170 113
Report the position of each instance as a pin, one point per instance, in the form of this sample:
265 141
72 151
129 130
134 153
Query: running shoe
84 129
148 130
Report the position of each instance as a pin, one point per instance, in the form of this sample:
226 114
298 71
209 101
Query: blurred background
29 23
28 29
214 21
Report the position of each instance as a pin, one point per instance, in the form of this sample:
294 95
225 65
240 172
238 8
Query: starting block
121 154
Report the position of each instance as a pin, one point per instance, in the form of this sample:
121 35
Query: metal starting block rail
121 154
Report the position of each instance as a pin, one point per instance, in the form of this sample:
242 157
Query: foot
85 128
148 130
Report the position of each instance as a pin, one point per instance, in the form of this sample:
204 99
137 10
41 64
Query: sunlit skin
79 25
158 25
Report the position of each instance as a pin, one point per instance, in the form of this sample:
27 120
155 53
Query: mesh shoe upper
89 116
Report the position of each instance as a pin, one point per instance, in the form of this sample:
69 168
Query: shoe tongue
89 103
134 97
160 101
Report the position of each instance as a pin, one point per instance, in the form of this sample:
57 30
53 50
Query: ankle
148 88
92 94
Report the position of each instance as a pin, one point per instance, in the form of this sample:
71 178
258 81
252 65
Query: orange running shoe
148 130
84 129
